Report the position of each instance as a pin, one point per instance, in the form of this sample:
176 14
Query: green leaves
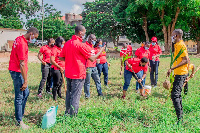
126 58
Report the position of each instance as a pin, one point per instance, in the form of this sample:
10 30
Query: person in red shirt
140 53
136 65
102 65
92 70
58 67
45 51
18 68
155 52
75 54
127 49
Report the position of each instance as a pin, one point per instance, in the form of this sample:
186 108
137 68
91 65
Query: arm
40 58
183 62
144 75
94 57
52 60
24 75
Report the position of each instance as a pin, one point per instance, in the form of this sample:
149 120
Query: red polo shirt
126 51
141 52
46 52
155 50
135 63
90 63
56 53
102 56
19 52
76 55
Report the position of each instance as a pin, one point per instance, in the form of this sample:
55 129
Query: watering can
49 118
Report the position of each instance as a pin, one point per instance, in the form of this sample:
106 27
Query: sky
67 6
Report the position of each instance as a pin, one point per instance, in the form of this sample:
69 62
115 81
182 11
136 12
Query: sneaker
22 125
39 95
155 86
48 92
100 95
87 97
123 97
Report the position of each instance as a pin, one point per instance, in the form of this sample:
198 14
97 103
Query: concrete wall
7 34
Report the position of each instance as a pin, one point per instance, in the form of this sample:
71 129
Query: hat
154 39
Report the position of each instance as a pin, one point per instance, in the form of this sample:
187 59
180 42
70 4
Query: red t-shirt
126 51
135 63
56 53
90 63
19 52
46 52
141 52
155 50
102 56
76 54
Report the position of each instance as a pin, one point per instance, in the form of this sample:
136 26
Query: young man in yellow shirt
180 68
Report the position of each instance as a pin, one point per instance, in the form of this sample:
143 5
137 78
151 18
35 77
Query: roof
12 29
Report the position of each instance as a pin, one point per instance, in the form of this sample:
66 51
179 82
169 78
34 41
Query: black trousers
74 89
176 94
57 83
46 76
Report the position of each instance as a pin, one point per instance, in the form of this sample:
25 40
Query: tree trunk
144 26
167 30
198 45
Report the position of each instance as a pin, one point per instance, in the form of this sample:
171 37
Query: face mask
146 48
83 37
153 43
32 40
93 42
100 46
143 65
62 46
173 39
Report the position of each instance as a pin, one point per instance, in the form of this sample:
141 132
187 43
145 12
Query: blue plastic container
49 119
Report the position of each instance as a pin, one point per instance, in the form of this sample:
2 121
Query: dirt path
5 57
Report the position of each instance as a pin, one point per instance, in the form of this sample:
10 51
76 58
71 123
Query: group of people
146 57
79 61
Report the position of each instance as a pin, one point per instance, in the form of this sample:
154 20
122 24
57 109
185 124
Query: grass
109 113
34 49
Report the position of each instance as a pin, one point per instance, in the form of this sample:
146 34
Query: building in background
72 19
7 37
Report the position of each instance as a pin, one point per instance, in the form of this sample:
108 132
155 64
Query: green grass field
105 114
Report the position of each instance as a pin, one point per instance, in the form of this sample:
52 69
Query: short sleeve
54 52
42 50
159 50
22 48
85 50
145 68
137 52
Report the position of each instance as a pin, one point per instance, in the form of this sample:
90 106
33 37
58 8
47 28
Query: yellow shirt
182 70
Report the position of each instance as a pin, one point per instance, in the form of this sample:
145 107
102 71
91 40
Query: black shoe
100 95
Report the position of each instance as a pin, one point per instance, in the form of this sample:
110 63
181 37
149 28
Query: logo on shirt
92 52
15 44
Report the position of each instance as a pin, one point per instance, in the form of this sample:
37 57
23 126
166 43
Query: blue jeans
154 72
20 96
92 71
128 76
137 83
104 68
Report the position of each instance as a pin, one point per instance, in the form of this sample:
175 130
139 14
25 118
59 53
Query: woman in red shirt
58 67
102 64
45 51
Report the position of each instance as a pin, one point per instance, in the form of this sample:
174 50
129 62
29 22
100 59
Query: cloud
77 9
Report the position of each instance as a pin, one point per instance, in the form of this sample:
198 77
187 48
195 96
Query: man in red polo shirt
75 54
155 52
18 68
92 70
140 53
126 49
136 65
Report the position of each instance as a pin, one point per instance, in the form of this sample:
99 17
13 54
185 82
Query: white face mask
173 39
146 48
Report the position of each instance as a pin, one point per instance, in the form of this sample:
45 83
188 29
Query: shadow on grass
156 94
35 118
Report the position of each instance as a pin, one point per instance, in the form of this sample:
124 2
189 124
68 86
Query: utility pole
42 21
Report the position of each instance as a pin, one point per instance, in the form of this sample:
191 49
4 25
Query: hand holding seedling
169 72
61 70
44 63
